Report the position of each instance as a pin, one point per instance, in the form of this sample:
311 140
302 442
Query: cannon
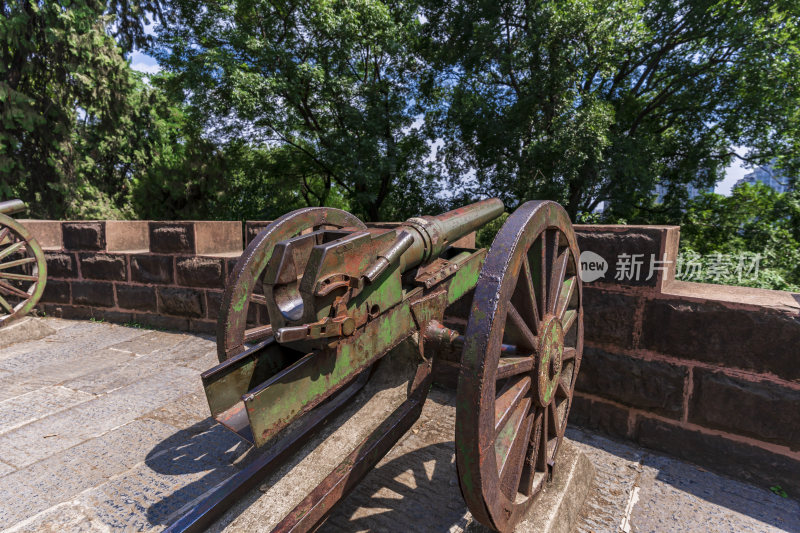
23 270
340 295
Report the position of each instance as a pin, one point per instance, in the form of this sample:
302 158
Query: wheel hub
551 350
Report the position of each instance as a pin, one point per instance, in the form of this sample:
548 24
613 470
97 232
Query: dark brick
61 265
214 301
252 229
137 297
255 314
762 340
609 317
650 385
172 237
84 235
77 312
94 293
763 410
750 463
116 317
610 245
183 302
162 322
200 272
203 326
149 268
57 292
104 266
605 417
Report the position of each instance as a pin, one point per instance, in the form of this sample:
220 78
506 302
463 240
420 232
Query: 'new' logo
593 266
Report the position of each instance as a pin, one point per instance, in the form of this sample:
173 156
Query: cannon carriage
23 270
340 296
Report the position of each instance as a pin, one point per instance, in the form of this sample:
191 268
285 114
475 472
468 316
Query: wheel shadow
417 491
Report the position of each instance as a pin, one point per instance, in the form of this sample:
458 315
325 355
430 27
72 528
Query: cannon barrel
432 234
9 207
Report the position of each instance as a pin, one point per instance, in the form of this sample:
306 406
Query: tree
584 101
332 84
77 123
753 220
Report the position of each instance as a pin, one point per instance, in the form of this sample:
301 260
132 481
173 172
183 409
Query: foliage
753 220
330 83
584 101
77 123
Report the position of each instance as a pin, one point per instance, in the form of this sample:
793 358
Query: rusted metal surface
240 289
513 403
341 296
23 270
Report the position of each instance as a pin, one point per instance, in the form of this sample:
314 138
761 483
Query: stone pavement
105 427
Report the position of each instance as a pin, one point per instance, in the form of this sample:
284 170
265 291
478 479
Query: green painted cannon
23 271
340 296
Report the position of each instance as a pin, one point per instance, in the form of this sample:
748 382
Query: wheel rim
23 270
513 406
232 331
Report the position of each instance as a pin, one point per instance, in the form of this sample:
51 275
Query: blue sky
145 63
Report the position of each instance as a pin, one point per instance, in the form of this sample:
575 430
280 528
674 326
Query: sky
736 171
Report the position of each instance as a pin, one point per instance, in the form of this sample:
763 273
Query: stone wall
705 372
709 373
168 275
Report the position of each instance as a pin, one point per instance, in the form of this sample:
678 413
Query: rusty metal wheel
232 331
23 271
522 350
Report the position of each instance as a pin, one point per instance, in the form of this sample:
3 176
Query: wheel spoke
509 447
541 459
519 334
568 320
550 238
10 289
563 387
507 403
567 290
555 420
511 472
18 277
258 299
524 297
257 334
511 366
557 280
3 234
11 249
23 261
536 262
5 305
531 460
569 353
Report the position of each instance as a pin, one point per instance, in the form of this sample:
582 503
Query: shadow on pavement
417 491
684 477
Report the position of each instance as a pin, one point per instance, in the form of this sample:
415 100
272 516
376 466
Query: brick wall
163 274
706 372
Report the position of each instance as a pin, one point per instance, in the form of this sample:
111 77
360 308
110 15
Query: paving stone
186 410
676 496
63 369
31 490
6 469
88 338
150 342
77 516
32 442
29 407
